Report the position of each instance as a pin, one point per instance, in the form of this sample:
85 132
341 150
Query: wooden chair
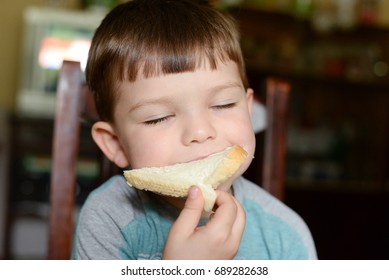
74 104
268 166
71 102
274 159
64 159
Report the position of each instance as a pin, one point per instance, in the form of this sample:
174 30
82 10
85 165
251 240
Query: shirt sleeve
99 230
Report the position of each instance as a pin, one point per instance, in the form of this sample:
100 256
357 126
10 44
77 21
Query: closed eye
224 106
157 121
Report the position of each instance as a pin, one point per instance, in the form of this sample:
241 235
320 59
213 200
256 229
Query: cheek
145 151
248 144
241 132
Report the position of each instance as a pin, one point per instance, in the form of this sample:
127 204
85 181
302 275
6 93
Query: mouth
208 155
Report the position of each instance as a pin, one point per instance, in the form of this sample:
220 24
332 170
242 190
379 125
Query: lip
207 155
201 157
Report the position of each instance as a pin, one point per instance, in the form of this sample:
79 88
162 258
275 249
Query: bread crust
228 167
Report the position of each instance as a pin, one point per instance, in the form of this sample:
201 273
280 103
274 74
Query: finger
190 215
225 214
231 219
237 229
240 221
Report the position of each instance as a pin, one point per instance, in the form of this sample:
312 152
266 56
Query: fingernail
193 192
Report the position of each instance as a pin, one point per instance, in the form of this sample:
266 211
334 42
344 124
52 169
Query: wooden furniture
273 173
65 149
27 198
74 105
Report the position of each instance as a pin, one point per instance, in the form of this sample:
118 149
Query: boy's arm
218 239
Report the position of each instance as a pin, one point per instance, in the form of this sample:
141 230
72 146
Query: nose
198 129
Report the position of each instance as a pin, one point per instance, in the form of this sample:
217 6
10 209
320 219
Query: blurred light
381 69
54 50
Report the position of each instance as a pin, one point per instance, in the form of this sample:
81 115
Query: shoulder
107 210
113 198
267 211
120 222
246 190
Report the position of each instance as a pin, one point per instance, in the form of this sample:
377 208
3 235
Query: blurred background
335 54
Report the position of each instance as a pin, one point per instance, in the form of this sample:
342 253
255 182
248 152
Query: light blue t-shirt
120 222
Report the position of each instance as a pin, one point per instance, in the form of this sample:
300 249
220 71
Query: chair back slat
273 173
64 160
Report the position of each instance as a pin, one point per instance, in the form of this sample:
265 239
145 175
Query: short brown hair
157 37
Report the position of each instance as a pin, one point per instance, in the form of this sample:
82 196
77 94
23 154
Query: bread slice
175 180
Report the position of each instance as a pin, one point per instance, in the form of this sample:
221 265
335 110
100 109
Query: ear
105 137
250 97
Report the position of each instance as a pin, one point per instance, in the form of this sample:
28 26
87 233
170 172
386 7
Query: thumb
190 215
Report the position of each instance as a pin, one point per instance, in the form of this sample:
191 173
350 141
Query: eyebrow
222 87
154 101
168 100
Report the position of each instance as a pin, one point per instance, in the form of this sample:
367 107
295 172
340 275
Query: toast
175 180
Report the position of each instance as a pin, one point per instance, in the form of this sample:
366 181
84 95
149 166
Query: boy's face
182 117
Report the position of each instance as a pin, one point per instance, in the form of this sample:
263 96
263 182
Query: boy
169 84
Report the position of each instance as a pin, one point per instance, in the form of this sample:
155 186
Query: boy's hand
218 239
